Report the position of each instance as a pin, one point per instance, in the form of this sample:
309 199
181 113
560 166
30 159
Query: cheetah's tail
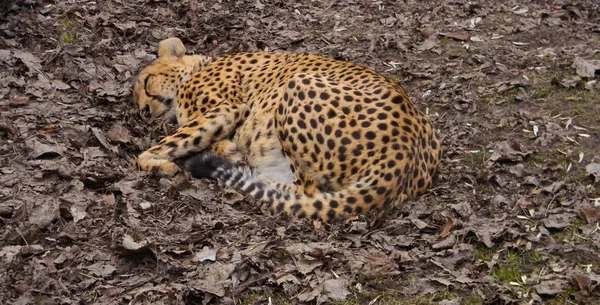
324 206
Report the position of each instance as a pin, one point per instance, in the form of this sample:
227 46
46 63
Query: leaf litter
512 217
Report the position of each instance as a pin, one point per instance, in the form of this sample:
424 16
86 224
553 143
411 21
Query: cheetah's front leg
195 136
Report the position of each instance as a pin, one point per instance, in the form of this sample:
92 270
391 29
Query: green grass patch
68 29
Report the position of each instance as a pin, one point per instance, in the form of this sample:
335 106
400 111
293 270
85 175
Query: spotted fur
321 138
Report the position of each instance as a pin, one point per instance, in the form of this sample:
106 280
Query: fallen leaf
551 287
456 36
583 282
336 289
130 244
554 187
41 150
130 247
78 212
447 243
102 139
591 215
428 44
101 269
306 266
30 60
593 169
206 254
447 227
8 253
559 221
118 133
585 67
499 199
504 151
44 213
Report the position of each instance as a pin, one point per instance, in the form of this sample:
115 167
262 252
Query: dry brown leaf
456 36
582 282
447 227
591 215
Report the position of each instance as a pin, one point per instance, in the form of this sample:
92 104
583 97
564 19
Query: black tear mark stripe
161 99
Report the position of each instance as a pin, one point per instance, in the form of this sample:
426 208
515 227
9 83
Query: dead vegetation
513 217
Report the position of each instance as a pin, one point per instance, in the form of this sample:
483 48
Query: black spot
301 96
328 129
318 205
324 96
421 183
331 144
292 84
351 200
345 141
331 114
370 135
218 132
312 94
398 100
368 199
331 214
333 204
382 126
302 138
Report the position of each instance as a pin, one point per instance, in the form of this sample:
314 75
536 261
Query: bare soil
513 217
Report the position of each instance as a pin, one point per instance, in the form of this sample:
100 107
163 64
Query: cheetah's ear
171 47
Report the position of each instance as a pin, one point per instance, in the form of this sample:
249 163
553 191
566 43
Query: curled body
320 138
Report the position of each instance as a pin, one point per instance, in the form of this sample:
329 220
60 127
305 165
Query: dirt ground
512 87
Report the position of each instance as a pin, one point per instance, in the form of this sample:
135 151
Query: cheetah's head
156 87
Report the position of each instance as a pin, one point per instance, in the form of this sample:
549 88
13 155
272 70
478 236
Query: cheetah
307 135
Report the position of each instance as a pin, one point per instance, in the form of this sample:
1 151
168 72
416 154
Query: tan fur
352 138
